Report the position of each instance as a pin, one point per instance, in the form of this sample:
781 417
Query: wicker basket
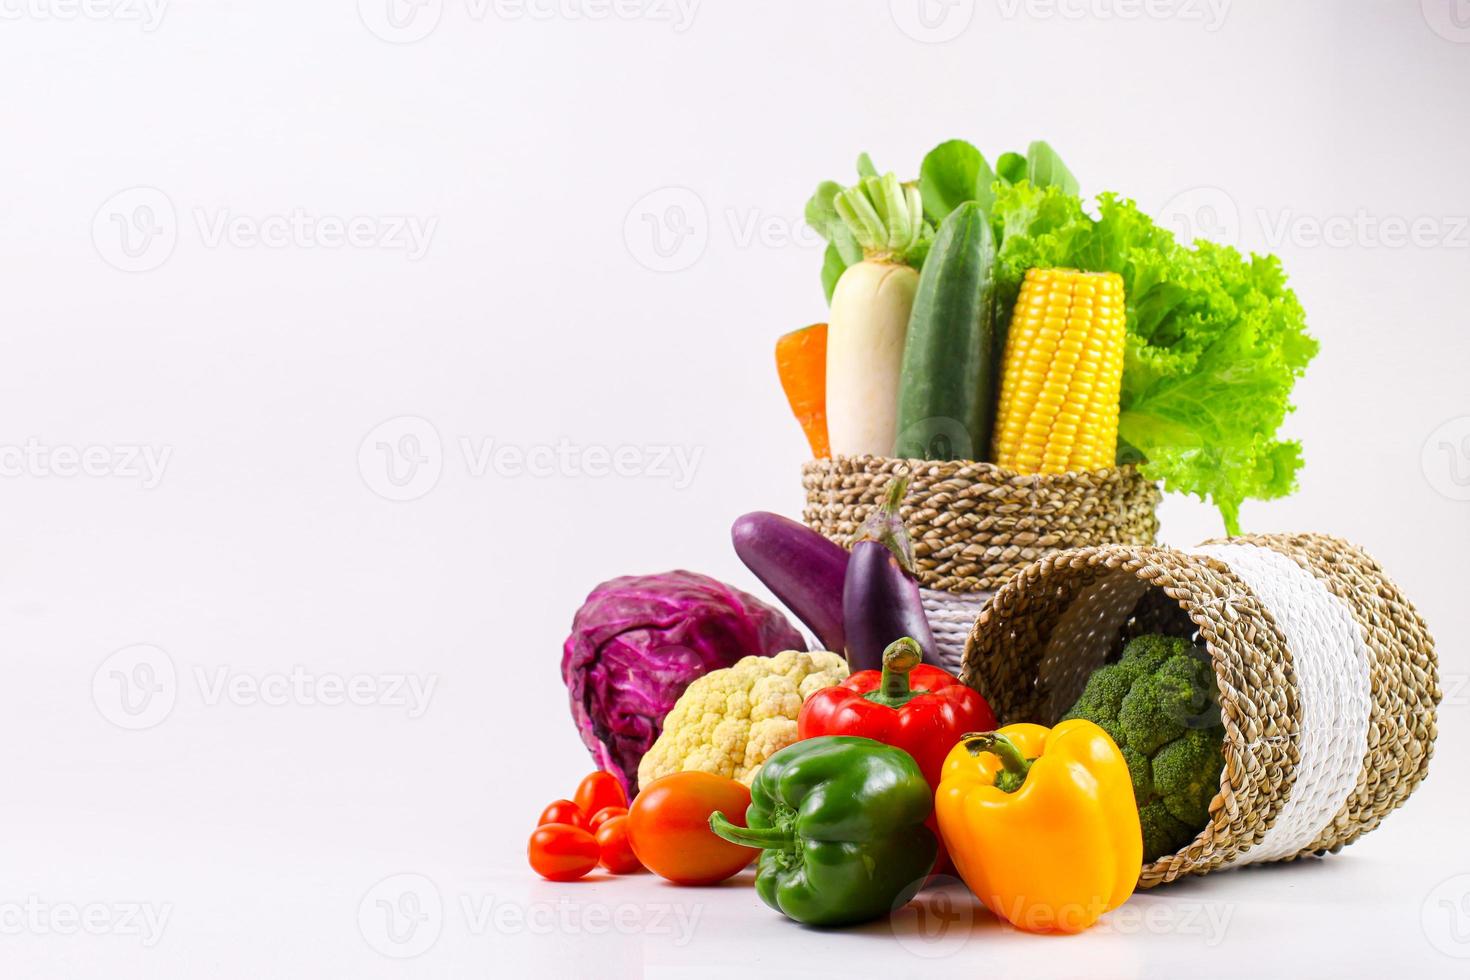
1328 677
974 525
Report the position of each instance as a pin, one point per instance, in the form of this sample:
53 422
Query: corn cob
1062 374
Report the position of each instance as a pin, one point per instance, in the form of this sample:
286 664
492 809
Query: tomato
668 826
605 814
597 790
564 811
612 840
562 852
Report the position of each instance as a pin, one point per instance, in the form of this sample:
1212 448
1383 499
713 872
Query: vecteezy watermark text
403 916
939 21
34 916
147 14
1210 14
137 688
1211 213
668 229
35 459
407 21
403 458
137 230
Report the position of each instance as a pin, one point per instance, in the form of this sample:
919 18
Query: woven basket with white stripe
1328 677
974 525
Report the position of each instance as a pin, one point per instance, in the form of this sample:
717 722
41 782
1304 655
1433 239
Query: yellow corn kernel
1062 373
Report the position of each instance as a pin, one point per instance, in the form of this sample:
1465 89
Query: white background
523 144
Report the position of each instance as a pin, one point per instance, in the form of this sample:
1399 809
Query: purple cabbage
637 643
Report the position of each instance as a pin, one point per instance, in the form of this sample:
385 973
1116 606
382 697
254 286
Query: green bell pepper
841 823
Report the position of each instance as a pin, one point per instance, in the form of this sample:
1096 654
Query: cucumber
948 379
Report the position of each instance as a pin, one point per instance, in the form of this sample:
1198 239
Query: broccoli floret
1162 833
1160 704
1187 775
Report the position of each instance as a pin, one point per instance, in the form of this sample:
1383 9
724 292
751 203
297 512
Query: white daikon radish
870 314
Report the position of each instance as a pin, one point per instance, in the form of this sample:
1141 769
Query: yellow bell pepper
1041 823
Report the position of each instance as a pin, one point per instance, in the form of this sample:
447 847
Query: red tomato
605 814
561 852
668 826
597 790
564 811
612 840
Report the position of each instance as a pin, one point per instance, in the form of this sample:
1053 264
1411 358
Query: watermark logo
670 229
1445 917
932 21
135 230
136 687
404 915
939 922
402 458
147 14
1202 213
1450 19
1446 458
1210 213
400 21
667 230
37 917
401 916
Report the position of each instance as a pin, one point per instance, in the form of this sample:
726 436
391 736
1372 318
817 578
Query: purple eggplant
802 568
880 597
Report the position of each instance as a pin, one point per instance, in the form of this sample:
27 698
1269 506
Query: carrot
801 361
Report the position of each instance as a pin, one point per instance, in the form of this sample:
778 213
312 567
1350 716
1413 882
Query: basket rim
955 467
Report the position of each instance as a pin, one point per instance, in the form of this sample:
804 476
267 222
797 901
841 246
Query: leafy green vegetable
1045 169
1011 168
954 173
1216 342
842 248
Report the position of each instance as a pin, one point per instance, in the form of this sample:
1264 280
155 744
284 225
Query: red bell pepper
919 708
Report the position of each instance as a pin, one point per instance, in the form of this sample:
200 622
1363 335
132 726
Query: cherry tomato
612 840
564 811
605 814
668 827
599 789
562 852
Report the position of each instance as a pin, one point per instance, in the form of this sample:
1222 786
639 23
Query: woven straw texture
1034 645
974 525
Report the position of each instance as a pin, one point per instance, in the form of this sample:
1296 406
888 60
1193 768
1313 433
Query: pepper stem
894 690
1014 765
749 836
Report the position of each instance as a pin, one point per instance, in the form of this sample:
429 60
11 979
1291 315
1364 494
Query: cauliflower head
730 721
